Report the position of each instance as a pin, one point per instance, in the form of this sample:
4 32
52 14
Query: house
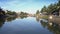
56 12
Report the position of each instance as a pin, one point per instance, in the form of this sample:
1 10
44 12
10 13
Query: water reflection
22 17
37 19
44 24
8 19
2 20
30 24
55 28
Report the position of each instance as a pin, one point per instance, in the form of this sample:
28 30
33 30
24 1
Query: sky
29 6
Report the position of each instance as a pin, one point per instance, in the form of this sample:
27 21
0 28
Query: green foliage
37 12
44 9
22 14
51 8
11 13
58 3
2 12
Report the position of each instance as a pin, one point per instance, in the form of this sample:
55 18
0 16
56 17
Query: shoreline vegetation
46 11
52 9
23 22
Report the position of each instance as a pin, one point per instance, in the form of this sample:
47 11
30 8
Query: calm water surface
29 25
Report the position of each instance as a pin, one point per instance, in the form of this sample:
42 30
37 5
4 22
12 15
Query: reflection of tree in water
22 17
44 24
10 18
55 29
2 20
37 19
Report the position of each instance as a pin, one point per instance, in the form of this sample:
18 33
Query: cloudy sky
29 6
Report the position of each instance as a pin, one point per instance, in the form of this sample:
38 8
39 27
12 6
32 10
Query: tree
22 14
51 8
37 12
11 12
2 12
44 9
58 3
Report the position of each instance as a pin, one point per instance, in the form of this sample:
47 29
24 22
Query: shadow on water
22 17
37 19
8 19
2 20
55 28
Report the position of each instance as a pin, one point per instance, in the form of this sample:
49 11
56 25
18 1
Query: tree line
50 8
12 13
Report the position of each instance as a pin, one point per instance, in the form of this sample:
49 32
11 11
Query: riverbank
43 16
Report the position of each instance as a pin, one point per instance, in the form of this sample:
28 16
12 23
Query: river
27 25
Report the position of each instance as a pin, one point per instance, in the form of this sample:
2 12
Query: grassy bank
44 17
